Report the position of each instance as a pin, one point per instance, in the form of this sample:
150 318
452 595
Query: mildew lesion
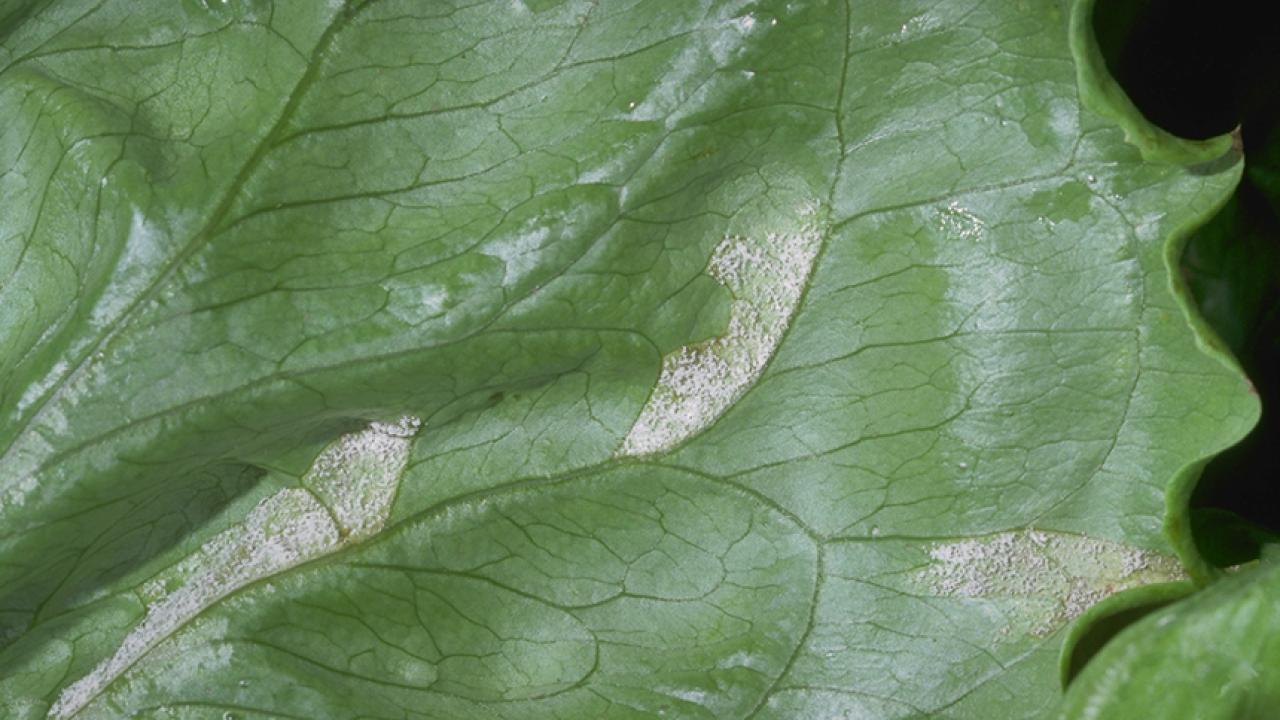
765 274
960 222
1049 577
345 497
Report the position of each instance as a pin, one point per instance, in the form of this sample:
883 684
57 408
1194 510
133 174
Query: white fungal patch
346 497
765 275
918 25
357 476
1051 577
282 531
958 221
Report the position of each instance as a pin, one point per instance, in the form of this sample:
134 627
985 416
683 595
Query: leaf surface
570 359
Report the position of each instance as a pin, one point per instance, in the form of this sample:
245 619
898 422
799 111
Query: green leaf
572 359
1212 655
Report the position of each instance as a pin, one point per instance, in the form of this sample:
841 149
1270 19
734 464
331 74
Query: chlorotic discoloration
1049 578
765 275
346 497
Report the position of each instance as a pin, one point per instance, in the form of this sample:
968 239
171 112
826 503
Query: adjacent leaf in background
561 359
1214 655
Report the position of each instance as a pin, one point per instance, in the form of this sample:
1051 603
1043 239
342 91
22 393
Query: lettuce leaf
538 359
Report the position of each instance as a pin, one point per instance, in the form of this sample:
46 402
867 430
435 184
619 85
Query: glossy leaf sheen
723 359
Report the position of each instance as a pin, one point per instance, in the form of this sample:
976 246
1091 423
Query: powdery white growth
346 497
765 275
15 494
1056 576
918 25
280 532
957 220
357 476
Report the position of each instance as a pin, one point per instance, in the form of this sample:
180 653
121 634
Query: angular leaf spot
765 275
347 498
1051 577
